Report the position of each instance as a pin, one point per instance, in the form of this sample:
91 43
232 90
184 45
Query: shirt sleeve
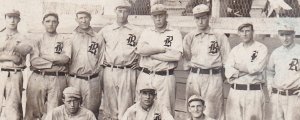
271 70
230 71
225 48
35 60
187 55
67 47
259 64
166 115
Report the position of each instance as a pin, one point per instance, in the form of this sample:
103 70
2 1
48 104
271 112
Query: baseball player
119 77
204 53
196 106
86 59
243 69
49 63
71 110
13 49
160 48
284 77
147 108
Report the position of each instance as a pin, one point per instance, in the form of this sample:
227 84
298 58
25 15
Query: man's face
122 14
286 39
196 109
147 98
160 20
202 21
246 34
50 23
83 20
72 104
12 22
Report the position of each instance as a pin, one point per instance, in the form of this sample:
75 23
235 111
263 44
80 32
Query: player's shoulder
86 111
260 45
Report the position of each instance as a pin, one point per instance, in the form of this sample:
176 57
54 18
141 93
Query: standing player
160 48
284 77
49 63
119 75
204 53
85 62
243 69
13 50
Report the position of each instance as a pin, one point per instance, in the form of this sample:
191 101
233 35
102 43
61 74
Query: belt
247 86
120 67
9 69
163 72
284 92
205 71
85 77
50 73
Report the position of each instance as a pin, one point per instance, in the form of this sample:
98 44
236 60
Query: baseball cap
195 98
200 10
158 9
83 11
12 12
72 92
148 88
123 4
286 29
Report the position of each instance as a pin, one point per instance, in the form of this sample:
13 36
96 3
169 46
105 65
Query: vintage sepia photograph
149 60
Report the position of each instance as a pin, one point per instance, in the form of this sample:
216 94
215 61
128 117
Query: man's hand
23 49
15 59
269 87
297 92
48 57
134 64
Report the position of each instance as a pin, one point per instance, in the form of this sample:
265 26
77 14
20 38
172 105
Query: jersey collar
115 26
89 31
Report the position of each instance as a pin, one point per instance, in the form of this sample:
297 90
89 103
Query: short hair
202 101
84 12
50 14
246 25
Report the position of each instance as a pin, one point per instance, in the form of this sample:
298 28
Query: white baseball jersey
170 38
205 50
136 112
60 113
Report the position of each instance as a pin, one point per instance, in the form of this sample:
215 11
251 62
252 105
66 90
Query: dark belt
205 71
50 73
163 72
245 86
9 69
120 67
284 92
85 77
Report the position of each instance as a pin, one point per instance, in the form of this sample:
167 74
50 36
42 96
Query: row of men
120 48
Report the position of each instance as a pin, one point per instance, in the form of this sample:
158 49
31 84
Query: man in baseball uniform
85 62
119 77
284 77
204 53
147 108
160 48
13 49
196 106
49 63
243 69
71 110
